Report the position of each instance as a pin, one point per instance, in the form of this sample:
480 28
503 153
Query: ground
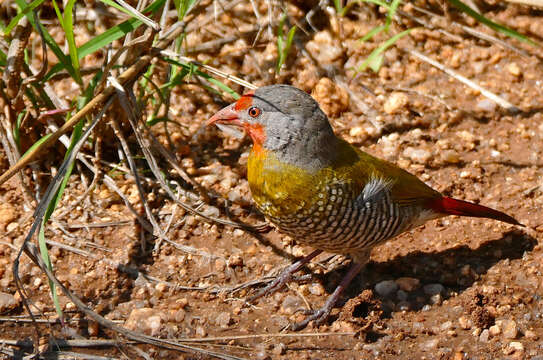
455 288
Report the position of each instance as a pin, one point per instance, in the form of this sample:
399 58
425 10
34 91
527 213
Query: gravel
386 288
433 289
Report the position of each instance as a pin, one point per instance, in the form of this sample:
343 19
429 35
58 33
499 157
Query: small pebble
484 336
386 288
436 299
429 345
494 330
279 349
223 319
407 283
509 329
513 69
464 322
401 295
395 102
486 105
450 156
529 334
433 289
516 345
146 320
420 156
316 289
7 302
446 325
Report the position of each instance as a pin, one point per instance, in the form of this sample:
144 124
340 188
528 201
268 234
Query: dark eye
254 111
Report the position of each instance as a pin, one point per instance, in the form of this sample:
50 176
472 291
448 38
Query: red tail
447 205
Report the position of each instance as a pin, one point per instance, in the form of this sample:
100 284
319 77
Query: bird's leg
321 314
285 276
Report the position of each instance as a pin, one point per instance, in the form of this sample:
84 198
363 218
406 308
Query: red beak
226 115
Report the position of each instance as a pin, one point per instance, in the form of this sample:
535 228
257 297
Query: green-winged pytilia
324 192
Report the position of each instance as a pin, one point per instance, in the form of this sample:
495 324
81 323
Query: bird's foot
318 316
284 277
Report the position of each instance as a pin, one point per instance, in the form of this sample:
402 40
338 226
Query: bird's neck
307 149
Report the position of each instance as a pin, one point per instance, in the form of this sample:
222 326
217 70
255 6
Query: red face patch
257 134
244 102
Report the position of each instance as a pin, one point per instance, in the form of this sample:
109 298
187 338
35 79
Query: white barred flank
343 222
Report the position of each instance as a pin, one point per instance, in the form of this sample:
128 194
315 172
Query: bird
325 192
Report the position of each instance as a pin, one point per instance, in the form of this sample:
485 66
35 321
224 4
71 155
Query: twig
260 336
490 95
538 3
211 69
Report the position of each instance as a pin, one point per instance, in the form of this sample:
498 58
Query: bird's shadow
455 268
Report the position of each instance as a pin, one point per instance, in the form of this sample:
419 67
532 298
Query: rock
513 69
332 98
211 211
486 105
429 345
279 349
386 288
433 289
494 330
401 295
234 261
224 319
324 47
407 283
316 289
436 299
8 213
450 156
516 346
146 320
485 335
390 145
446 325
509 329
529 334
395 102
420 156
465 323
7 302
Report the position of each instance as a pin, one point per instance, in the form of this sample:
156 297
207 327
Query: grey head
296 129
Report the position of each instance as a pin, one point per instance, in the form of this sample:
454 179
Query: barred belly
341 222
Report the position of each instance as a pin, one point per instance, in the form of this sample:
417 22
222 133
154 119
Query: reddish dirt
488 304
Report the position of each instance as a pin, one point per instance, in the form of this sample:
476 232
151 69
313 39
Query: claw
320 315
284 277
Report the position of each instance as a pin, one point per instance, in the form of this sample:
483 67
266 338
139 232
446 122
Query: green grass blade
376 30
108 36
59 13
3 58
17 128
130 11
183 7
76 135
24 11
491 24
69 32
391 12
372 58
62 58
